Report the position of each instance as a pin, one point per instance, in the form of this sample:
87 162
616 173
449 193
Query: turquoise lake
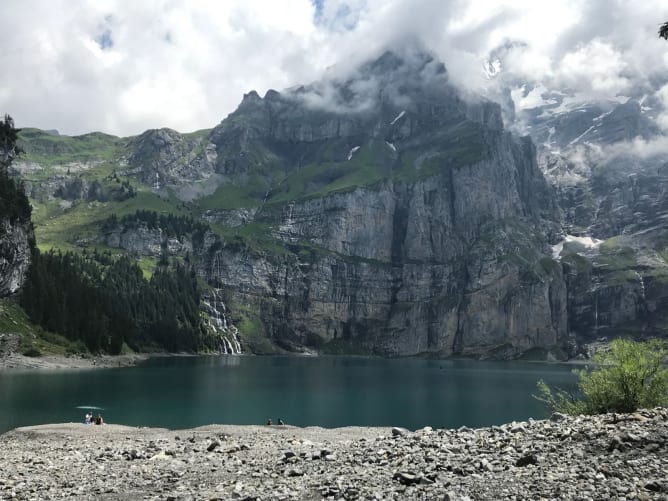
183 392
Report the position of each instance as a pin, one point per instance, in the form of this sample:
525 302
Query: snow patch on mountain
491 68
534 98
581 243
398 117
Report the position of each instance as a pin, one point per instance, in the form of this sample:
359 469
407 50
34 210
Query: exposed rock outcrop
145 241
164 157
15 237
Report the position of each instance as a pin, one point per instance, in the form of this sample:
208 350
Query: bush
628 376
32 352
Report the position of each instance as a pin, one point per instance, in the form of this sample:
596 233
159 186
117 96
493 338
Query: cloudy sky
122 67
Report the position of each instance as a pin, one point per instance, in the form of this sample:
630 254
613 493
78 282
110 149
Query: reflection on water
180 392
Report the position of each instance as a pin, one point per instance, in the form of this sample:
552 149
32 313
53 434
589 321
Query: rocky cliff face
381 212
413 223
422 288
15 239
164 157
146 241
607 164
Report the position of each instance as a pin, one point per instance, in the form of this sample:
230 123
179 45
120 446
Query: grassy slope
458 145
62 228
32 337
51 150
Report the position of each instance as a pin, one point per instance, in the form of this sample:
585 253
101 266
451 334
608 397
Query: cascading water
219 322
642 285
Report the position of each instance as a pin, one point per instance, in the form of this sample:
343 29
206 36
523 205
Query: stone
382 466
558 417
406 478
656 486
616 443
528 459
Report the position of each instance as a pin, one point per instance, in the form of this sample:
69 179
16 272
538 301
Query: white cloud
185 64
662 119
526 99
596 68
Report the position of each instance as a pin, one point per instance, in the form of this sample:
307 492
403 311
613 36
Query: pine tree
9 148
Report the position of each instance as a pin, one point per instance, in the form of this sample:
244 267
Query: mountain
606 160
380 211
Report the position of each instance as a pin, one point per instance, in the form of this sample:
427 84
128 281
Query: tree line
14 204
105 302
171 225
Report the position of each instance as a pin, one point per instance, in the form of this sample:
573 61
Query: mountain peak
399 75
410 59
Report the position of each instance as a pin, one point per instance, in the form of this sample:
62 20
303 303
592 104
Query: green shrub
32 352
628 376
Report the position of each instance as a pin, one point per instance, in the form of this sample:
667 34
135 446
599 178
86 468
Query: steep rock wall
14 255
450 264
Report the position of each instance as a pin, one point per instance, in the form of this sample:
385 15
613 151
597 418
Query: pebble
598 457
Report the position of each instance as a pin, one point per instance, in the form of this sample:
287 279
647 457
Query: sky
123 67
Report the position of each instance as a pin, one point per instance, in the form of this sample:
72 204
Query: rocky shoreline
16 361
613 456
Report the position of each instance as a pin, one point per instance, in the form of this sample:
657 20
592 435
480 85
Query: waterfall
642 285
235 338
219 322
596 311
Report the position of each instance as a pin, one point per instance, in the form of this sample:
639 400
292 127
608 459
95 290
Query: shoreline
16 362
611 456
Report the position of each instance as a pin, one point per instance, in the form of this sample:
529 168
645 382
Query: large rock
164 157
144 241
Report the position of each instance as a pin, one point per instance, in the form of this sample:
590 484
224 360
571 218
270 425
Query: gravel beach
11 359
16 361
620 457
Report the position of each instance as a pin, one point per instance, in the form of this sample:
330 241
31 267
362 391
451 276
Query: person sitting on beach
89 418
99 420
269 422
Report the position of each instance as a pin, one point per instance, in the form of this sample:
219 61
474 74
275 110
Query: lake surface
183 392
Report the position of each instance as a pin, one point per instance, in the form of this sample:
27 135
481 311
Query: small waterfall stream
219 321
642 285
